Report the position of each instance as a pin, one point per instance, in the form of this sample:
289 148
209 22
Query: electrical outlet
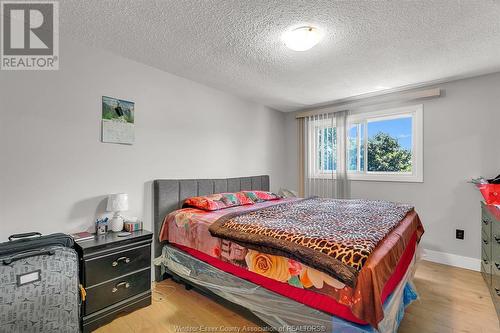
459 234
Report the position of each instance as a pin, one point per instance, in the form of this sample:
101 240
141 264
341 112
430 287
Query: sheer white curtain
343 184
324 155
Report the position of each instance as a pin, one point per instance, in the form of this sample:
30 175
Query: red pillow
260 196
218 201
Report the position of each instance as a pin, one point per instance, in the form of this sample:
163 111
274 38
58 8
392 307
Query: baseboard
452 259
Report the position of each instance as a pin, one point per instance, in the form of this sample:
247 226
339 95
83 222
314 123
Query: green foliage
386 154
109 113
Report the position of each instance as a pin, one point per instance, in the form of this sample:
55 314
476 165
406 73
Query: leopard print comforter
331 235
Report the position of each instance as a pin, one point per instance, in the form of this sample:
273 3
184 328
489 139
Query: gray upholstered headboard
168 195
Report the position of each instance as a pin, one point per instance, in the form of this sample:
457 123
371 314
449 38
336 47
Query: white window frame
315 126
417 175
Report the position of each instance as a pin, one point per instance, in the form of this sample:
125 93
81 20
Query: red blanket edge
310 298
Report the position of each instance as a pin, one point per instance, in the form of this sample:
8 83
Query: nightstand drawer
103 295
110 266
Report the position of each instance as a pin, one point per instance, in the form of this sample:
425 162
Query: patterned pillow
260 196
218 201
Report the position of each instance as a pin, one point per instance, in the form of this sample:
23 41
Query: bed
290 302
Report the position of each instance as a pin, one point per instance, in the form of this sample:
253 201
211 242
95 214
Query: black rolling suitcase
39 284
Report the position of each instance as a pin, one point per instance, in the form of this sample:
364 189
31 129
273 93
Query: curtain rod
388 98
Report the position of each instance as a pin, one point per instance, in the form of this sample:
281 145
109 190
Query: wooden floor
452 300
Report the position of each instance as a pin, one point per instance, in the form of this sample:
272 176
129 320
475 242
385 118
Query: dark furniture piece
116 273
490 252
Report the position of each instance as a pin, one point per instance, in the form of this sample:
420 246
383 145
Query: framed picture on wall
117 121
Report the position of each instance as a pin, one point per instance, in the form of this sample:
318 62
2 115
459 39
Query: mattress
279 312
187 229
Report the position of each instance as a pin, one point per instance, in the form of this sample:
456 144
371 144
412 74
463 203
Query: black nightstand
116 273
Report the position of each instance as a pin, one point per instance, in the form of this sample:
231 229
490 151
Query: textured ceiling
235 45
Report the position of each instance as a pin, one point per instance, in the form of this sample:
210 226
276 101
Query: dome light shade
302 38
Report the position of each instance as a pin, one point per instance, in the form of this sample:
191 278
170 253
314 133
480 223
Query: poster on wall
117 121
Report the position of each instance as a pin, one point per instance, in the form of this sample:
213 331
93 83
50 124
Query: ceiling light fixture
302 38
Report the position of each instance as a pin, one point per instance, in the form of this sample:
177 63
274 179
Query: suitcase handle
8 261
27 234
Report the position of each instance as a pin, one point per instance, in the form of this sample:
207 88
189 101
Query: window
327 155
384 145
356 147
390 144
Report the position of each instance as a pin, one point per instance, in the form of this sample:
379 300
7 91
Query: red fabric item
401 268
218 201
307 297
491 193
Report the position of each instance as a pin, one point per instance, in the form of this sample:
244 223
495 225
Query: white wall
55 172
461 140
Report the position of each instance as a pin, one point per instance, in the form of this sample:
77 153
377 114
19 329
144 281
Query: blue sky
397 128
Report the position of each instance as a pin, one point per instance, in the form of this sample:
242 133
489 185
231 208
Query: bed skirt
279 312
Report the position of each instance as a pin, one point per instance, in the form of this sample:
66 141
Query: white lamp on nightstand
117 203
